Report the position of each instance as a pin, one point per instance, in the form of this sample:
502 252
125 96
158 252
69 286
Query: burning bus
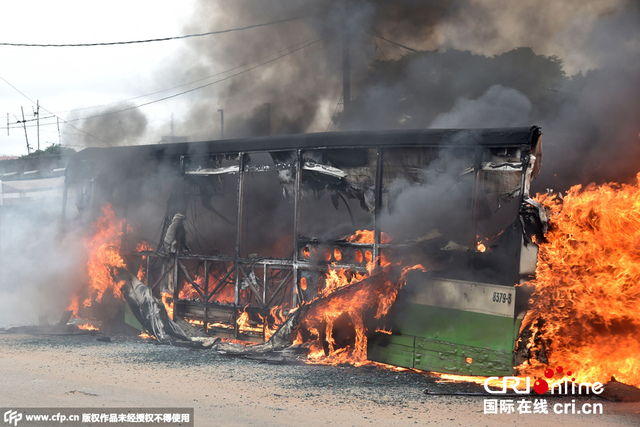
405 247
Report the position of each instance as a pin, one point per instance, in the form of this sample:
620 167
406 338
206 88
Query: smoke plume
570 67
111 127
41 263
499 106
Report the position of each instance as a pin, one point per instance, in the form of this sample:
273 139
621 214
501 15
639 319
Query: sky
303 90
68 78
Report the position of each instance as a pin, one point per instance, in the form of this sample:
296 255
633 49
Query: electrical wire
198 87
335 112
209 33
18 123
290 50
59 118
410 49
188 83
377 48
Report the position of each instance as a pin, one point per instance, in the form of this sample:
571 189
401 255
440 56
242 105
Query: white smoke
41 263
497 107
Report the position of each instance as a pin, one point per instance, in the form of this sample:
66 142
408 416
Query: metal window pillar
148 269
264 285
176 261
241 165
183 170
176 287
295 300
477 176
206 296
377 207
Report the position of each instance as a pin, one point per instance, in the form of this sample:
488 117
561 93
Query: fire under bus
244 231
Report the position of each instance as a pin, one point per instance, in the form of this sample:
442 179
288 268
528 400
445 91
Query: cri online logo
541 386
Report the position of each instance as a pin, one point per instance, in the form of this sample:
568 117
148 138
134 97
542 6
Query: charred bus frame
95 174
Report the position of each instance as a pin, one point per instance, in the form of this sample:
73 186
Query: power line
198 87
17 90
209 33
18 124
410 49
189 83
292 49
289 50
59 118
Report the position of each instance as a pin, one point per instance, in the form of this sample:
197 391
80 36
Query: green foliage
410 92
52 150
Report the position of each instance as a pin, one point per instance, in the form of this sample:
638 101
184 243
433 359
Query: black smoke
110 127
572 68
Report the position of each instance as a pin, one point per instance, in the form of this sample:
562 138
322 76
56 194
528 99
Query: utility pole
346 64
268 105
7 124
24 124
38 124
221 111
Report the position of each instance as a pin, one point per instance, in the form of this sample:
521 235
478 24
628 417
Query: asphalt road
80 371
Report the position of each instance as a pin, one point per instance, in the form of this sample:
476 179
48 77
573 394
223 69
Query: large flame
585 311
104 260
103 248
347 297
104 255
363 303
225 295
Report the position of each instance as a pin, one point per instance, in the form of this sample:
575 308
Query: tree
52 150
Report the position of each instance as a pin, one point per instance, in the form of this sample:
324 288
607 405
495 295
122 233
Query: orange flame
226 295
277 313
142 271
367 236
146 336
167 300
585 308
245 325
372 299
320 321
104 250
104 255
